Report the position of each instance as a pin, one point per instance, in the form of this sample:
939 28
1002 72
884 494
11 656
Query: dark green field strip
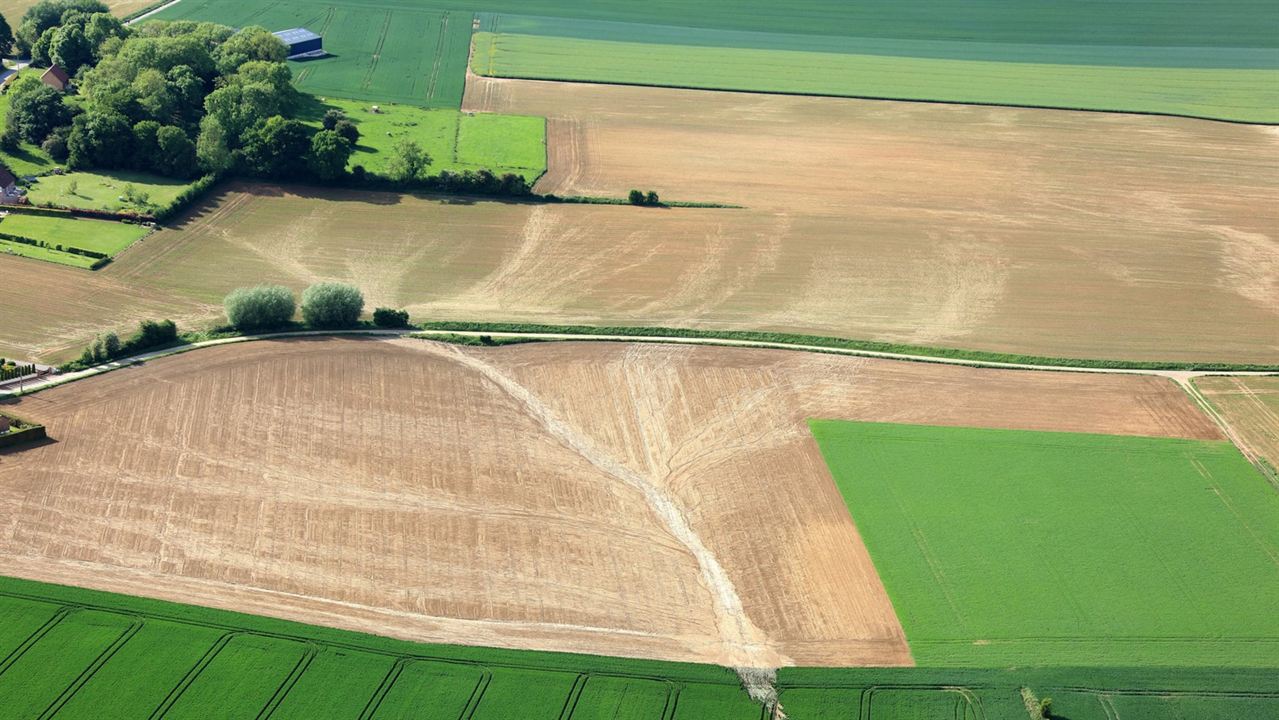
1171 23
540 694
62 661
1111 55
613 698
337 683
162 652
241 680
19 620
447 689
715 702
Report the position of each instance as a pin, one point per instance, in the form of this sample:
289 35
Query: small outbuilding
9 192
302 43
56 78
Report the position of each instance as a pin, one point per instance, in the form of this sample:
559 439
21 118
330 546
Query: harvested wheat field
1251 406
630 499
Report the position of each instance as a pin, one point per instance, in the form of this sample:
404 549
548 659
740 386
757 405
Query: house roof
57 72
6 177
295 35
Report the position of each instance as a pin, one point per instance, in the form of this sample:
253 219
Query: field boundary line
152 10
175 693
1180 376
35 636
300 667
874 98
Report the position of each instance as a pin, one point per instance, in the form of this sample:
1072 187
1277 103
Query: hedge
31 432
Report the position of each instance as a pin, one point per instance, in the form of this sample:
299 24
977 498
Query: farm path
1181 377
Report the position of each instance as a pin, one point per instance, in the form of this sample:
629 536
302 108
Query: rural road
1181 377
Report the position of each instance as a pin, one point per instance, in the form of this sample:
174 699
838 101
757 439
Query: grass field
105 190
455 140
1249 94
97 235
58 232
1011 547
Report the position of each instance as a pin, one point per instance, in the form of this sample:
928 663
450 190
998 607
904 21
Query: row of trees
265 307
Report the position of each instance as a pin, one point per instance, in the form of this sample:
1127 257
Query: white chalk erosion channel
744 645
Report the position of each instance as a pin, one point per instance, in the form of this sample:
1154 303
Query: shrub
151 334
332 305
652 199
264 306
390 318
636 197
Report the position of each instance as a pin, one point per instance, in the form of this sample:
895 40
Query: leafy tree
348 130
330 153
256 308
211 148
177 157
100 139
277 148
635 197
48 14
390 318
408 162
36 109
652 199
331 118
146 144
154 96
332 305
55 146
248 44
6 38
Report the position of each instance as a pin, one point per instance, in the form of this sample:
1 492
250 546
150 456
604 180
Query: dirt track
510 497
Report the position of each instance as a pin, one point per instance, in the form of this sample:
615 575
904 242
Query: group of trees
108 346
175 98
639 197
265 307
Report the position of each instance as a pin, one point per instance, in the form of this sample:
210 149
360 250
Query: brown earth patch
625 499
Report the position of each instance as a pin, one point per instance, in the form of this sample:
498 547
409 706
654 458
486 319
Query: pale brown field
1251 406
626 499
13 10
1023 231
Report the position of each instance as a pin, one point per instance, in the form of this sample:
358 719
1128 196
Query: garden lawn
1002 547
46 254
105 190
456 141
98 235
1248 94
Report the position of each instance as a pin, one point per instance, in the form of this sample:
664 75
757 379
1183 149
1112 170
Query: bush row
151 335
193 192
9 372
60 248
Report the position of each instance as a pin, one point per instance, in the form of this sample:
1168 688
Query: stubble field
603 498
1251 407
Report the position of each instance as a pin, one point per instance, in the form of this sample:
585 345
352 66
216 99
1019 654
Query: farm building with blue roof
301 42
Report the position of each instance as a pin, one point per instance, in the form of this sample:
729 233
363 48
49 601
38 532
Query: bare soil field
1251 407
627 499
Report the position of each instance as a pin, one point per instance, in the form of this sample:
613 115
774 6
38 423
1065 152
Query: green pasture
98 235
92 190
46 254
1242 94
455 140
1003 547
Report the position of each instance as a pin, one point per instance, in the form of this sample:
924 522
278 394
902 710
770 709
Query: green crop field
87 655
455 140
98 235
1249 94
1007 547
1217 60
396 52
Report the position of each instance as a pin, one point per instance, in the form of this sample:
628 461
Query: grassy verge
846 344
46 254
